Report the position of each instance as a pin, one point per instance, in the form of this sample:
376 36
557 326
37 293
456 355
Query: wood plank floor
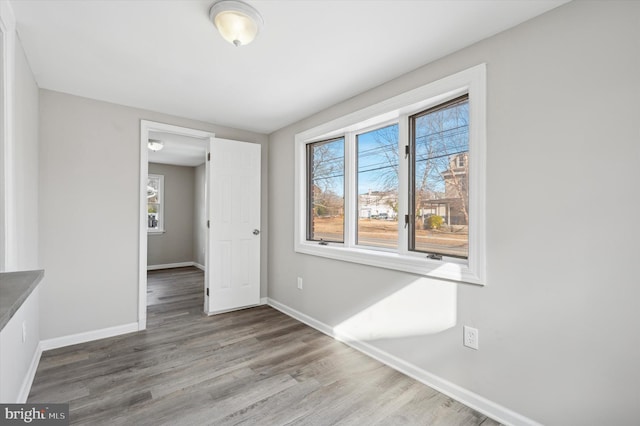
251 367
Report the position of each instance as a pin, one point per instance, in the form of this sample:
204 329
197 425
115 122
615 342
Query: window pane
153 185
154 200
440 179
325 208
153 216
378 187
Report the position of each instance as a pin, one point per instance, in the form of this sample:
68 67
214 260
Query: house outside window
155 204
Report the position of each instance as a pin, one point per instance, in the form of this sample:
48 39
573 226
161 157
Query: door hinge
208 224
406 220
207 291
208 156
406 151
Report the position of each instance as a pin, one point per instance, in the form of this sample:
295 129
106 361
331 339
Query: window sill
448 268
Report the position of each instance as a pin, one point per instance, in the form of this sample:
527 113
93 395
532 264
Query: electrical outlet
299 283
471 337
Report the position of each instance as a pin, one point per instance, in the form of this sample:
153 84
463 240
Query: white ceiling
167 56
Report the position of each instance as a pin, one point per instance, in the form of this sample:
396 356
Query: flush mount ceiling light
236 21
155 145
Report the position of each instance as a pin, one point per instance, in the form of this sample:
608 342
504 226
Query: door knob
256 232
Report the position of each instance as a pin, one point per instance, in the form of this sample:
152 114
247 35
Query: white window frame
160 229
398 109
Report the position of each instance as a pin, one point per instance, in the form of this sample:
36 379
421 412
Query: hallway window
155 204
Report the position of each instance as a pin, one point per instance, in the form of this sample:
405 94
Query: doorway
176 201
232 213
181 147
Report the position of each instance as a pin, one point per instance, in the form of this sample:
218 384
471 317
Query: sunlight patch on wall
421 308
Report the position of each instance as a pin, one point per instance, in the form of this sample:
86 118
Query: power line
419 160
378 168
327 177
451 129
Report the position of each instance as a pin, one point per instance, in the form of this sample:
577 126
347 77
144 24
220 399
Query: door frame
147 126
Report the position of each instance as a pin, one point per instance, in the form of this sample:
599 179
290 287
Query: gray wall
558 318
199 216
176 244
89 201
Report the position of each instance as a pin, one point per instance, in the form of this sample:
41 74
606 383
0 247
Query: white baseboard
320 326
264 300
31 374
171 265
468 398
73 339
199 266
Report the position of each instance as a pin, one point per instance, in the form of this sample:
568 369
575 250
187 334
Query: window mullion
350 191
403 184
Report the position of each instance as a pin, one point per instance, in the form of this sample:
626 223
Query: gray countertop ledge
15 287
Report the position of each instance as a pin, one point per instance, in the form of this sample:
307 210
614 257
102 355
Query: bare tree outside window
325 165
439 173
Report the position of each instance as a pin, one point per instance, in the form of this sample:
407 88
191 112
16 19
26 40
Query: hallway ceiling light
155 145
236 21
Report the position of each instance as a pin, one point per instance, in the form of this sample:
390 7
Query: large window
155 203
400 184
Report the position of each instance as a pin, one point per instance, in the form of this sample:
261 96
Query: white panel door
234 231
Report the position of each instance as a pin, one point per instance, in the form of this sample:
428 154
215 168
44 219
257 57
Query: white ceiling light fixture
155 145
236 21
